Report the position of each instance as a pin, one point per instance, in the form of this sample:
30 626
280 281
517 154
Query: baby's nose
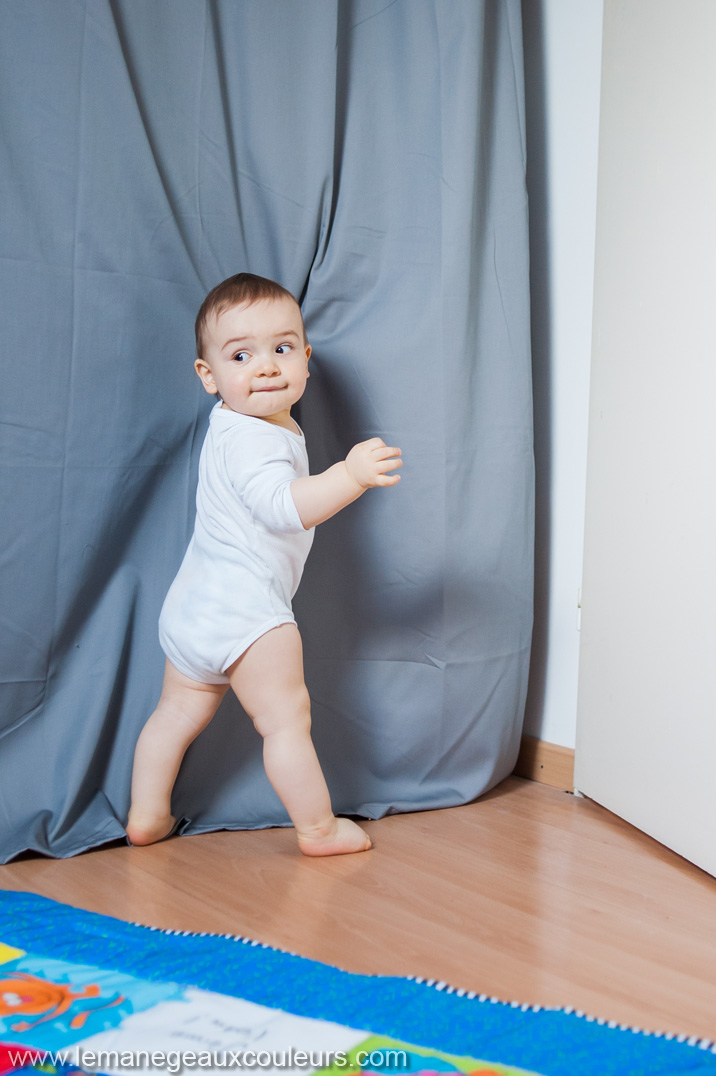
268 364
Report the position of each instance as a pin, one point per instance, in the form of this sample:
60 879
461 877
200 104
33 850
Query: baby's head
251 347
243 289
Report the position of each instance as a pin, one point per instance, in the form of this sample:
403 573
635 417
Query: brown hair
235 291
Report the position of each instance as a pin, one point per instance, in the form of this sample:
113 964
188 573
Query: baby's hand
368 462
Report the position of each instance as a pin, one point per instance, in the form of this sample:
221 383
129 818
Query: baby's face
256 358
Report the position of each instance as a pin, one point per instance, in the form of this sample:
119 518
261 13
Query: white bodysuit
247 553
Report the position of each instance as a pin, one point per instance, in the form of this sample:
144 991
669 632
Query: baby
227 618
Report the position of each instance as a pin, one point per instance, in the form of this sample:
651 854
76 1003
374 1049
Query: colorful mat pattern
84 992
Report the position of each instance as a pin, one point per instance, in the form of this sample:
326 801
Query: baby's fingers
384 479
383 452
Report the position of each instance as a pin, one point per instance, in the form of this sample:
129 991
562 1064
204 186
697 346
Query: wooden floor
529 894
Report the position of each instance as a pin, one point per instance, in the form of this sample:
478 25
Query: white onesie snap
247 553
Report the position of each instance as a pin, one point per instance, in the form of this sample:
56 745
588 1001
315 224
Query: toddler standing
227 618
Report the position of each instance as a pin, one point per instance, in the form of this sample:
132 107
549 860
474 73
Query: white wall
563 42
646 733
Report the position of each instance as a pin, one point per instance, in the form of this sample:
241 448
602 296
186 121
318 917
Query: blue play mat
78 952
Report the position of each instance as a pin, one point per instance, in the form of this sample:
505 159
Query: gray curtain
370 156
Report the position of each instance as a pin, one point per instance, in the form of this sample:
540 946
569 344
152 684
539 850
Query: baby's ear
206 377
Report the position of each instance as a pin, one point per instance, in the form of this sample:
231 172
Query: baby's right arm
319 496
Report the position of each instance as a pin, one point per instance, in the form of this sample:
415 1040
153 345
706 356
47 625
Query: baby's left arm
320 496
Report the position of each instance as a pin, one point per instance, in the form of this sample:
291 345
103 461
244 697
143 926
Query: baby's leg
268 680
184 709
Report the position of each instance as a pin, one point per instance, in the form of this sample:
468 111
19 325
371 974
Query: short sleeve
260 467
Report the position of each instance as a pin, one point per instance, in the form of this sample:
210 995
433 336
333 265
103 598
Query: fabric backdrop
370 156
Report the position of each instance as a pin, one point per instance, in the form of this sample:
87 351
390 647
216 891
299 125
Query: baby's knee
298 706
303 708
290 710
187 710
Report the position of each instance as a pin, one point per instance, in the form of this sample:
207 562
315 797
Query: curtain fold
370 157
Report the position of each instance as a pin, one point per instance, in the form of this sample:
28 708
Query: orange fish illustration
28 995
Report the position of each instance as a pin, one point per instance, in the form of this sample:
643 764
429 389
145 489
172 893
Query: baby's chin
257 408
265 403
273 402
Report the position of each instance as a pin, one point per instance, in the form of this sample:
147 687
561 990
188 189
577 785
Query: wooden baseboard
545 762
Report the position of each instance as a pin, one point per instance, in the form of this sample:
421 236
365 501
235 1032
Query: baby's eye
242 356
283 349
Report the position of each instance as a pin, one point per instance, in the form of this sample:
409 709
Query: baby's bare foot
148 828
341 837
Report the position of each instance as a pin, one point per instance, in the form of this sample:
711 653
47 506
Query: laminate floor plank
529 894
